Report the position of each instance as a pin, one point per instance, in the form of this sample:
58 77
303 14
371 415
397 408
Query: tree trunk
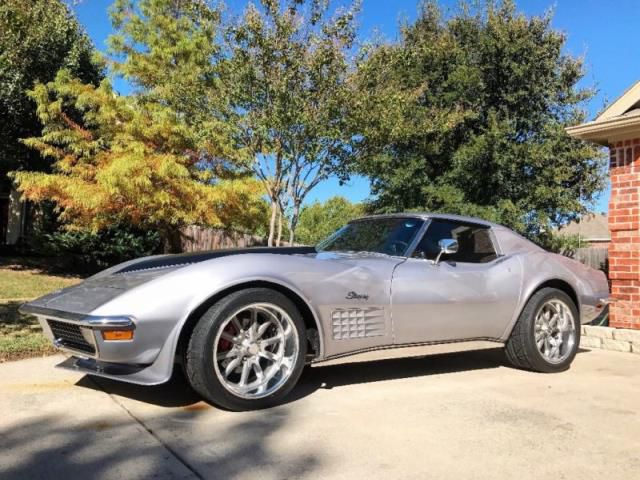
272 223
294 223
171 239
279 227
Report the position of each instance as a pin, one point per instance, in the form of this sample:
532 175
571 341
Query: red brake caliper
225 345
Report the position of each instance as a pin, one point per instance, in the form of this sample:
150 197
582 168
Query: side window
474 242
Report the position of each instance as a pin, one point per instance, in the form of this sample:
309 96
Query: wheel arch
561 285
310 319
557 283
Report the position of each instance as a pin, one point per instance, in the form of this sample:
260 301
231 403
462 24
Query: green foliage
466 114
319 220
86 251
170 51
559 243
37 38
157 159
116 158
288 72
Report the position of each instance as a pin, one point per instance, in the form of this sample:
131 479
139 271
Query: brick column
624 224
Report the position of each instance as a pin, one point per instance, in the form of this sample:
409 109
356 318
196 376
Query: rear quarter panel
541 267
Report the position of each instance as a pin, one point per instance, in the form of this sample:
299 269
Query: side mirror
447 247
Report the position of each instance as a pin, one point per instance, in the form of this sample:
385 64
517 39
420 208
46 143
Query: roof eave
623 103
603 132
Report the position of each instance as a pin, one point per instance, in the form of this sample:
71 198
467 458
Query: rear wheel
547 334
247 351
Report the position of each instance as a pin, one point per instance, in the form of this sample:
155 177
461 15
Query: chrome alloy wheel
555 331
255 350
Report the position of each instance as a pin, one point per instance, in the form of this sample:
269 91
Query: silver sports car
243 323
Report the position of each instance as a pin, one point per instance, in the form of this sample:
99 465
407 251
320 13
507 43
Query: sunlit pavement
452 416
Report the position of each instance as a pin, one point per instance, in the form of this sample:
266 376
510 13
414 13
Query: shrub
559 243
86 252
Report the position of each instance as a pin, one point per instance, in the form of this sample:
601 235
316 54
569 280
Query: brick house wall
618 128
624 224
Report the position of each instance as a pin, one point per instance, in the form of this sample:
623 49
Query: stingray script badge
356 296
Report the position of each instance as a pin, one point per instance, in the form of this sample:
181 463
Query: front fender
162 306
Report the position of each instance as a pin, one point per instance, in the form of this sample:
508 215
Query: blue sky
604 36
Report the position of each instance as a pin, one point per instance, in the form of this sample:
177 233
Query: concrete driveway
452 416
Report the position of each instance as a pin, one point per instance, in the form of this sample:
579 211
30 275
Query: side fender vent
357 323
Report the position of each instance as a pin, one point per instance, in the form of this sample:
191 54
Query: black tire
199 356
521 347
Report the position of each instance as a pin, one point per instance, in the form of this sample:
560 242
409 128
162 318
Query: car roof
508 240
427 215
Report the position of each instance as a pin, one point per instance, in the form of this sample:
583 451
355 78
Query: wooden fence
597 258
195 239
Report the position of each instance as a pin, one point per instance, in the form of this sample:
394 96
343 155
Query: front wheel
547 334
247 351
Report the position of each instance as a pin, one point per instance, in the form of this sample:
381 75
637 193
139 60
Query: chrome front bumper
60 328
146 359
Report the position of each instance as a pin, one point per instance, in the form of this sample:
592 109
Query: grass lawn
22 280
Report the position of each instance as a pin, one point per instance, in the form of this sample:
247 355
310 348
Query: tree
170 52
37 38
466 114
117 161
319 220
289 63
161 157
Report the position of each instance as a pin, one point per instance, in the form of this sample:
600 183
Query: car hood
108 284
84 298
179 260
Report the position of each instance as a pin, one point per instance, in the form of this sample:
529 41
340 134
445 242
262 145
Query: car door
468 295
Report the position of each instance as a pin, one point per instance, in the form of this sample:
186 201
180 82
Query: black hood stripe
165 261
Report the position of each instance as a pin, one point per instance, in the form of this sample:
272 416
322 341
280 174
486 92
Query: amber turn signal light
117 334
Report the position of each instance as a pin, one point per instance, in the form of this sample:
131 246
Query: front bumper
147 359
115 371
81 335
116 360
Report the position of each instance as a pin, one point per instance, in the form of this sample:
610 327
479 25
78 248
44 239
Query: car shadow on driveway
333 376
178 393
108 447
175 393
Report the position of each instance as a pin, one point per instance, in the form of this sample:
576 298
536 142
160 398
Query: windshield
390 236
